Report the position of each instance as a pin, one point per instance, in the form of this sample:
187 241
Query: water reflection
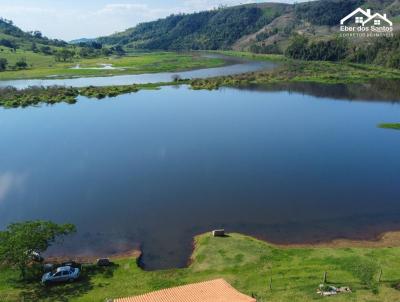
375 90
9 182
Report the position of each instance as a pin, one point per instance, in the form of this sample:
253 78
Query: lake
289 164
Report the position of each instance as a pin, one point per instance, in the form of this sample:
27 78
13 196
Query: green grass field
245 262
42 66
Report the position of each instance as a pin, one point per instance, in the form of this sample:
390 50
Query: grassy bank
42 66
252 56
245 262
12 98
304 71
394 126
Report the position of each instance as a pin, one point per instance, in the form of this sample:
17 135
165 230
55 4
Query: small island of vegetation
394 126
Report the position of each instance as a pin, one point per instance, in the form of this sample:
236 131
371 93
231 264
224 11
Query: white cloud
125 15
198 5
123 8
19 9
8 182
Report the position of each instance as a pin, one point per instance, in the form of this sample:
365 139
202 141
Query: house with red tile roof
209 291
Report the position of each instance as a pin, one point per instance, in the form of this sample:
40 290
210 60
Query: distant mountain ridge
264 27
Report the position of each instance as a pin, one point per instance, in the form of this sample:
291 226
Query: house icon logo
378 19
359 15
365 23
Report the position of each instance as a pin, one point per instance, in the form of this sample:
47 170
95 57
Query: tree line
384 51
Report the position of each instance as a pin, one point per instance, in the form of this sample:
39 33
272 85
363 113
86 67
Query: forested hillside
260 28
215 29
326 12
13 37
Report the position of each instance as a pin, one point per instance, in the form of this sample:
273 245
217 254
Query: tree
298 47
34 47
64 55
118 50
19 239
8 43
394 60
46 50
3 64
176 78
330 50
21 64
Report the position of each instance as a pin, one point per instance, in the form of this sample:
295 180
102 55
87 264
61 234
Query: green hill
262 28
215 29
13 37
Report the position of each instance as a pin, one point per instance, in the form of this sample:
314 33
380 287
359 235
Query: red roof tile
209 291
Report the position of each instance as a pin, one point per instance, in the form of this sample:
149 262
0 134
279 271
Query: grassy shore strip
303 71
394 126
12 98
252 56
42 66
247 263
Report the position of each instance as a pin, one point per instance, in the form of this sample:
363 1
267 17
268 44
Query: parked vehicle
61 274
103 262
72 263
48 267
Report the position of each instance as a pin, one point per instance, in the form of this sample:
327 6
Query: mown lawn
42 66
245 262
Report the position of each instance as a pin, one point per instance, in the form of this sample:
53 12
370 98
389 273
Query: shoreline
245 262
387 239
382 240
91 259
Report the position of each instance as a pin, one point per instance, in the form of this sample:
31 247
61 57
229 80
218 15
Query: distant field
245 262
34 60
253 56
42 66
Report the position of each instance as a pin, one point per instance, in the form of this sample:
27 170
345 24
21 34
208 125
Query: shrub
3 64
21 64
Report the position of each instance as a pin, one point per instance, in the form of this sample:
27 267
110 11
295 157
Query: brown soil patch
388 239
134 254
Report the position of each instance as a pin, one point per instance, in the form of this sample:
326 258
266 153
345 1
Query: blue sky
73 19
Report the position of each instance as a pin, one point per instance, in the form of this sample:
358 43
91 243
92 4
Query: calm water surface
156 167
